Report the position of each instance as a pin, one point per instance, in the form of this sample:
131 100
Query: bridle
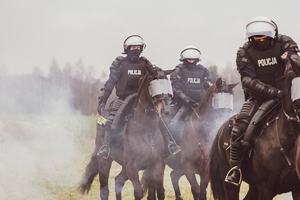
296 112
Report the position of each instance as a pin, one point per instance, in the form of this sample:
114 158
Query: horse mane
287 83
141 85
206 99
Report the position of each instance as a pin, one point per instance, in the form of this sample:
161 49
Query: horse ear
169 71
233 85
218 83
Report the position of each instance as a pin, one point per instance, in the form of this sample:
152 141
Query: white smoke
35 147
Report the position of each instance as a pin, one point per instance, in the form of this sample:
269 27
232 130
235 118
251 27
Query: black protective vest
131 73
194 81
268 64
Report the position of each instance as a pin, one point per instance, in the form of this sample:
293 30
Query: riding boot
171 146
234 176
104 151
177 121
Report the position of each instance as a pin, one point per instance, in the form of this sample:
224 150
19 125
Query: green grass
51 169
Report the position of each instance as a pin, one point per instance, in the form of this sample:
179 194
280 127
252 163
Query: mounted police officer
189 83
261 62
125 73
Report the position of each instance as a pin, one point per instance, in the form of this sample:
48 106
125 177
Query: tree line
74 89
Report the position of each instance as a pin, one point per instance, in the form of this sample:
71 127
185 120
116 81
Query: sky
34 32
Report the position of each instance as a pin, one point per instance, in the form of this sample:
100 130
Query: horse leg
153 181
231 191
204 179
189 172
160 190
175 176
104 168
132 173
119 183
265 194
296 194
252 194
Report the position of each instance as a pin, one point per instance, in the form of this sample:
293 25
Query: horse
196 140
141 147
269 167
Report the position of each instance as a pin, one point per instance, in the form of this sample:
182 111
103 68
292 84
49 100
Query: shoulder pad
180 66
116 63
201 67
148 63
287 43
120 58
241 57
246 45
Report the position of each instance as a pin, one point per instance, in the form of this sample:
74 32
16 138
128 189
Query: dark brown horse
197 137
141 148
269 167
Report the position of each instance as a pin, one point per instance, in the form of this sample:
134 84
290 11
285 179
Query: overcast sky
33 32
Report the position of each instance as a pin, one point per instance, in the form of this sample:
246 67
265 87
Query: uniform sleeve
114 75
175 80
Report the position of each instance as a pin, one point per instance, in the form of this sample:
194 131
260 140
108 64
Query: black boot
236 153
104 151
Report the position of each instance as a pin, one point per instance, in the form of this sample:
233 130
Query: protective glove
101 107
194 103
280 94
185 99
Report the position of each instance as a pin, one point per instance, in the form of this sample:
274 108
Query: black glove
185 99
280 94
194 103
101 107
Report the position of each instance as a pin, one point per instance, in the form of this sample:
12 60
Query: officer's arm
177 85
207 79
249 79
114 75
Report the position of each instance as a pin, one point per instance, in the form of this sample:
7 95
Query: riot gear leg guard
234 176
176 121
104 151
256 123
171 146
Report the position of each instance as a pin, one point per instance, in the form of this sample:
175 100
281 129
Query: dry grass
51 169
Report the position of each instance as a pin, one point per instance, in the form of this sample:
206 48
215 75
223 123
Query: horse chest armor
128 82
268 64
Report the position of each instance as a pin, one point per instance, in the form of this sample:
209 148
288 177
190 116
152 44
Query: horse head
291 106
159 88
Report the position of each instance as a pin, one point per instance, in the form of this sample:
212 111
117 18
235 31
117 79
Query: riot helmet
133 40
190 52
260 26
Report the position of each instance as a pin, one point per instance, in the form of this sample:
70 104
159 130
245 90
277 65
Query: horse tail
145 181
91 170
216 182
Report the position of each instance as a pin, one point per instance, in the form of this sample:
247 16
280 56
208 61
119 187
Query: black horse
141 148
269 167
197 137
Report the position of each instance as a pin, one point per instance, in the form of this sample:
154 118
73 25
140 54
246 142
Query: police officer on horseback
125 73
261 62
189 83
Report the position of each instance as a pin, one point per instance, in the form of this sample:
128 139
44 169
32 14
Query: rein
290 118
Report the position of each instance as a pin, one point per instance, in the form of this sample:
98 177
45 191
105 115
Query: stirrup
231 170
99 153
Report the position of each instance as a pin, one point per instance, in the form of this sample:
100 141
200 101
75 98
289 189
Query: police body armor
268 64
128 82
194 81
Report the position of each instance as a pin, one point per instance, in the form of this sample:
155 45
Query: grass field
50 167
